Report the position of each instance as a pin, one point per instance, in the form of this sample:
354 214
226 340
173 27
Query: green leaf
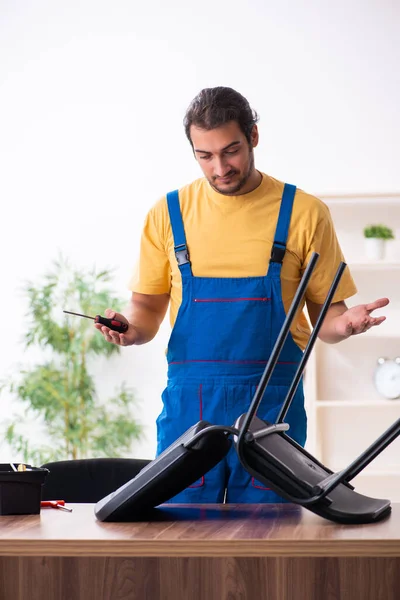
59 392
378 231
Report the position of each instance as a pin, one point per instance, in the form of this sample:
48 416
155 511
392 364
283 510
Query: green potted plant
59 392
376 237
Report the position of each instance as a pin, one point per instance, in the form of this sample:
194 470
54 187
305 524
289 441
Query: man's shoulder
304 201
158 214
185 192
309 202
196 188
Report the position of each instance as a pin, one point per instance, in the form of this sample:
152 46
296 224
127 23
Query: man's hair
213 107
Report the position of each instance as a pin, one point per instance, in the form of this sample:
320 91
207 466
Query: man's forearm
145 314
328 333
144 323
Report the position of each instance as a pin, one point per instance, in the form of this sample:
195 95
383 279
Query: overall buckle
181 254
277 252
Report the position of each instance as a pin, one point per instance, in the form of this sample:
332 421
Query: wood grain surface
134 578
198 531
232 552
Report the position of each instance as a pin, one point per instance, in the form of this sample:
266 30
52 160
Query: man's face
225 157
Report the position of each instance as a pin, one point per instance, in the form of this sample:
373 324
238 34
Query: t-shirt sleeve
325 242
152 273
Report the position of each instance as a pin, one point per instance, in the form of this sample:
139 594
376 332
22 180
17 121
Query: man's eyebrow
223 149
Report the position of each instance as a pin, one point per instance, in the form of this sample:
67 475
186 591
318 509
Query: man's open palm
358 319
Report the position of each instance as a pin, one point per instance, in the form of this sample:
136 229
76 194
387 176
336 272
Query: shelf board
360 199
357 404
380 265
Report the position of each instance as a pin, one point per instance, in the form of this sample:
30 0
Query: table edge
203 548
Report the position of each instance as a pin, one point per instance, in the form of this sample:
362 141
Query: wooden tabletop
198 530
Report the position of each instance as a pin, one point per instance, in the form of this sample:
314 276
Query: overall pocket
230 328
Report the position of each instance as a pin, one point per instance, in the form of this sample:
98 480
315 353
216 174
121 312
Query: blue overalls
223 335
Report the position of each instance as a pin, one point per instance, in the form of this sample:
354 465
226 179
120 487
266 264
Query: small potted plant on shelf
376 237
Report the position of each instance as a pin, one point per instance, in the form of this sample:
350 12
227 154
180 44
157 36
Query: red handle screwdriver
113 324
55 504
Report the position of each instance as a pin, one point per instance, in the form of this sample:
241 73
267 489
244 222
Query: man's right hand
145 315
120 339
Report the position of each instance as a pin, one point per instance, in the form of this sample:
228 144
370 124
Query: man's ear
254 137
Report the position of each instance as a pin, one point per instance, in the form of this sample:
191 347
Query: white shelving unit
345 411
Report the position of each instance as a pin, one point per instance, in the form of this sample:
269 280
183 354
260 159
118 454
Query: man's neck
252 183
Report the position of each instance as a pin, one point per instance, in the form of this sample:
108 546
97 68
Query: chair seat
291 472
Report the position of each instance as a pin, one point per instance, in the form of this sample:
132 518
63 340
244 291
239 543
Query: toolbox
20 489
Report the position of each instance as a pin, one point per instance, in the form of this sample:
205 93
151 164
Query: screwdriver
55 504
113 324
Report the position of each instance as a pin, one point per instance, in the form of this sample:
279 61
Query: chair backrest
192 455
88 480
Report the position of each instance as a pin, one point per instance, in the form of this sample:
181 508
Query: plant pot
392 249
374 248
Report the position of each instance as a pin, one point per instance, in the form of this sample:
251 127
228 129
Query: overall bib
223 335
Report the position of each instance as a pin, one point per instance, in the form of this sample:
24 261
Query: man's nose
221 167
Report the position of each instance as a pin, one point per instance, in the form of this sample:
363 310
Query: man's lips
226 179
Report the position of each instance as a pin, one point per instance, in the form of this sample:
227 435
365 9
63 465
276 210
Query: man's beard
235 188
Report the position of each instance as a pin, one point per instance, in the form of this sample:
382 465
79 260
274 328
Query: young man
228 251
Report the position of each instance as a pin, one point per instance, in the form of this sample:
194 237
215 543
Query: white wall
92 96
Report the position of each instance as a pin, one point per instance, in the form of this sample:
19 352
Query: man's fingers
368 323
113 337
377 321
377 304
363 326
111 314
106 333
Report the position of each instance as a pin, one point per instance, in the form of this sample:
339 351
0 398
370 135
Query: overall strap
178 232
282 227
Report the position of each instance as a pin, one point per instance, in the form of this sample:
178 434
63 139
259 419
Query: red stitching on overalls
201 400
259 487
201 417
231 299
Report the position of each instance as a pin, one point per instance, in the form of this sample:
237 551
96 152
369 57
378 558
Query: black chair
88 480
268 453
265 450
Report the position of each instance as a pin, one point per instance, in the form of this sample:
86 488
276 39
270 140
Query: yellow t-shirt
232 236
